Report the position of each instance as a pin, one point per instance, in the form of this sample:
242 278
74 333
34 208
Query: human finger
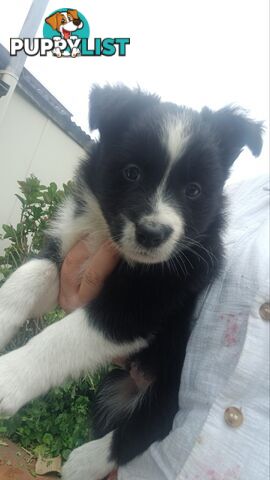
101 266
70 275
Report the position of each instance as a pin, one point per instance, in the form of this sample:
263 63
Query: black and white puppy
153 184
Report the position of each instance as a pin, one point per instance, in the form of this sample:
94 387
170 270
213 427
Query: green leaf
47 439
66 453
22 200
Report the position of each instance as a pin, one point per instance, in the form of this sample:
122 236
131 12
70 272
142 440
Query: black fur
52 251
157 301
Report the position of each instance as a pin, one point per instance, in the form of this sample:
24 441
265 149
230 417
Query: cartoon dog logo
65 22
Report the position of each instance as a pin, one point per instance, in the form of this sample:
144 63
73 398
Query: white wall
30 143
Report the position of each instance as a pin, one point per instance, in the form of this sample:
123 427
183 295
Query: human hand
79 285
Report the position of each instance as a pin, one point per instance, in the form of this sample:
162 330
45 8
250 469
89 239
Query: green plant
57 423
60 421
38 204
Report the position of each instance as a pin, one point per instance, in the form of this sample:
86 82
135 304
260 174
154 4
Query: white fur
33 289
68 228
91 461
176 135
164 214
92 226
30 291
67 348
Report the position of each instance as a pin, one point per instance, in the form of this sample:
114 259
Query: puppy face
65 22
159 170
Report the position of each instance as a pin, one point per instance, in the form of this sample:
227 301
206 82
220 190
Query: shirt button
233 417
265 311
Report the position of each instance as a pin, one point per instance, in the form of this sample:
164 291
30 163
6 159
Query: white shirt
226 365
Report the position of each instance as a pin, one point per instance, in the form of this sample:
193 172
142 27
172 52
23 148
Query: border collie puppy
153 184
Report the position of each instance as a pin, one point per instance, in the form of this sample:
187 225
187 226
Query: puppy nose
153 234
77 21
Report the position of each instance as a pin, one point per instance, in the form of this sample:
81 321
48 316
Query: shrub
38 204
60 421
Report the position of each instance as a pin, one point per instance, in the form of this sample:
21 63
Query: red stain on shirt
230 474
212 474
231 335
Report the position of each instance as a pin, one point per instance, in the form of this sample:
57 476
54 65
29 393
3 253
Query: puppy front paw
8 326
14 388
78 466
88 462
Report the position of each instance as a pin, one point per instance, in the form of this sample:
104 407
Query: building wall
30 143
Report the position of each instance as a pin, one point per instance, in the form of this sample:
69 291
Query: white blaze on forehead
176 131
176 134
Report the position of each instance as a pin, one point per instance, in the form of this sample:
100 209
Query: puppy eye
193 190
63 20
132 173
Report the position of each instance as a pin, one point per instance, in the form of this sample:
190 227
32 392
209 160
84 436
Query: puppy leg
65 349
149 421
91 461
30 291
126 423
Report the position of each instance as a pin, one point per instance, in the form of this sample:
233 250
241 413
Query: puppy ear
73 13
234 130
52 21
112 109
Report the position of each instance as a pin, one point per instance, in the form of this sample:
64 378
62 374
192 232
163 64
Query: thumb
102 264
